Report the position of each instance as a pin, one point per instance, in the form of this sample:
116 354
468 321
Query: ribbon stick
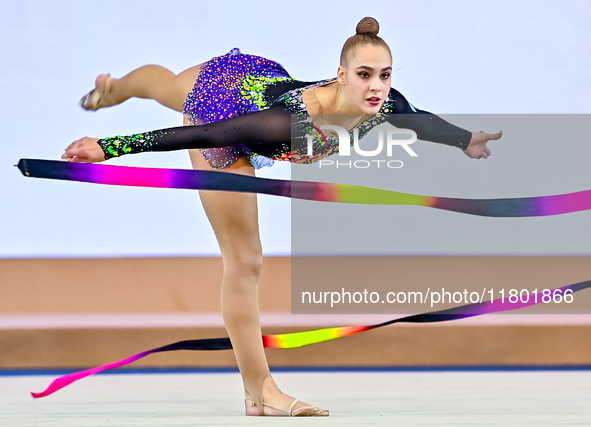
300 339
319 191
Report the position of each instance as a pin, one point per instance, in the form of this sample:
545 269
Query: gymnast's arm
263 128
430 127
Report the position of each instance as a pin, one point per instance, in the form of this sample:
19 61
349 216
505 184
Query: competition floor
402 398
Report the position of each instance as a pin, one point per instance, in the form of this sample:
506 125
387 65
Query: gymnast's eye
363 74
386 76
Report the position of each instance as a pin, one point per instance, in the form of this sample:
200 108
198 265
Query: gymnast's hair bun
368 26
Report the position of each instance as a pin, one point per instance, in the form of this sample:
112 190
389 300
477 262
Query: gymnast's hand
477 148
84 150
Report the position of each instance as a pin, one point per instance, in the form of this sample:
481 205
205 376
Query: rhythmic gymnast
238 112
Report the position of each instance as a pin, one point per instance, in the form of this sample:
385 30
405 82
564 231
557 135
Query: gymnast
242 112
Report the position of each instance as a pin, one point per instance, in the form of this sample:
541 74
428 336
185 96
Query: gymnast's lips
374 100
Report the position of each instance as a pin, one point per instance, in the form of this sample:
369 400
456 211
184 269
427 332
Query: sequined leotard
228 86
249 106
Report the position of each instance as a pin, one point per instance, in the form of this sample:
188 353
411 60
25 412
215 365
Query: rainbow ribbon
300 339
319 191
327 192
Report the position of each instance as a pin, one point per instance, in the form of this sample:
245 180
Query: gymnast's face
366 78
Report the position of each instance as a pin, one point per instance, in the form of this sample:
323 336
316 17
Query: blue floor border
197 370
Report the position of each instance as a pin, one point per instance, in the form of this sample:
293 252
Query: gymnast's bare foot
98 97
278 404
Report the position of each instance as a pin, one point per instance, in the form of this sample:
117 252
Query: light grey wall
453 57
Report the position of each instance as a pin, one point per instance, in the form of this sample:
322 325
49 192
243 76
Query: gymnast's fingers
67 154
73 153
497 135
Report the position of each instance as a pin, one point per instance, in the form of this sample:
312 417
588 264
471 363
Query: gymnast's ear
341 75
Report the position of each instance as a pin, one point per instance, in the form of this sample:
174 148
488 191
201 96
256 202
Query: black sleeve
262 132
428 126
276 90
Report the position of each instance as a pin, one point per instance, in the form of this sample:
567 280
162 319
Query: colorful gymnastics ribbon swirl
342 193
319 191
300 339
